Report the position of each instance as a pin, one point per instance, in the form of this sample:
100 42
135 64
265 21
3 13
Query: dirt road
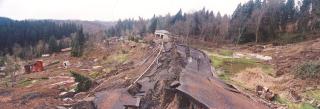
181 78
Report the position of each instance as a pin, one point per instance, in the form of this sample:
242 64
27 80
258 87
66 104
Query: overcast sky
107 10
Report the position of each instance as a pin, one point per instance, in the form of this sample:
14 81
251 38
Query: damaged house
34 67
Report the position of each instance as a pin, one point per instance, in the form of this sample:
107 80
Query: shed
38 66
34 67
163 34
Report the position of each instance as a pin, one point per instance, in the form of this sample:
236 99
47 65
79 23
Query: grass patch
224 76
281 100
28 81
95 75
309 69
301 106
117 58
25 82
226 52
288 38
230 66
291 105
313 94
268 69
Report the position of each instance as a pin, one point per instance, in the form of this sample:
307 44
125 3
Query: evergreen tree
53 45
153 26
290 10
177 17
78 44
28 32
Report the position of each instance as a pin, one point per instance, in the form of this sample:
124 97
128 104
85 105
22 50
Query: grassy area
95 75
292 105
300 106
268 69
225 52
227 66
226 61
288 38
117 58
308 69
230 66
27 82
315 94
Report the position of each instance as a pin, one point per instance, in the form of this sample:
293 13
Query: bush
308 69
135 39
84 83
1 61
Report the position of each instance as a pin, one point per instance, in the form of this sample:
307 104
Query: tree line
32 38
259 21
275 20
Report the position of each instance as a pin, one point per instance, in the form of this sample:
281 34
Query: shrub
84 83
1 61
308 69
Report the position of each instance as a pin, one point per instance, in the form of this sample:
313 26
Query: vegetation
291 105
117 58
229 65
1 61
226 52
279 21
53 45
27 34
78 44
313 94
84 83
308 69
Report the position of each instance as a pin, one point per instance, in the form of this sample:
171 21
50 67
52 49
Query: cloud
107 9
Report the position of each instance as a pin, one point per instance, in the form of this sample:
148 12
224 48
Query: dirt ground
285 60
117 65
41 90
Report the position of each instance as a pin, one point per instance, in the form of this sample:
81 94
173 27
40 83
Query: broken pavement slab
201 85
193 82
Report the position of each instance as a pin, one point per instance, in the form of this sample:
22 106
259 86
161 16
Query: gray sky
107 10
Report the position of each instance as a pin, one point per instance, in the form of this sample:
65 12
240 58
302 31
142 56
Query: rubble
66 94
265 93
175 84
294 96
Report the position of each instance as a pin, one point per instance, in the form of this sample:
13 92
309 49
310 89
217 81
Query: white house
163 34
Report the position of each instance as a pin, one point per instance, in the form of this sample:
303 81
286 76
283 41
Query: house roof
162 32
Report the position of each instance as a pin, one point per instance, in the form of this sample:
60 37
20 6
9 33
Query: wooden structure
34 67
66 49
164 35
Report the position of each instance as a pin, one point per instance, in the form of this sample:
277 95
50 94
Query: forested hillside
40 36
259 21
